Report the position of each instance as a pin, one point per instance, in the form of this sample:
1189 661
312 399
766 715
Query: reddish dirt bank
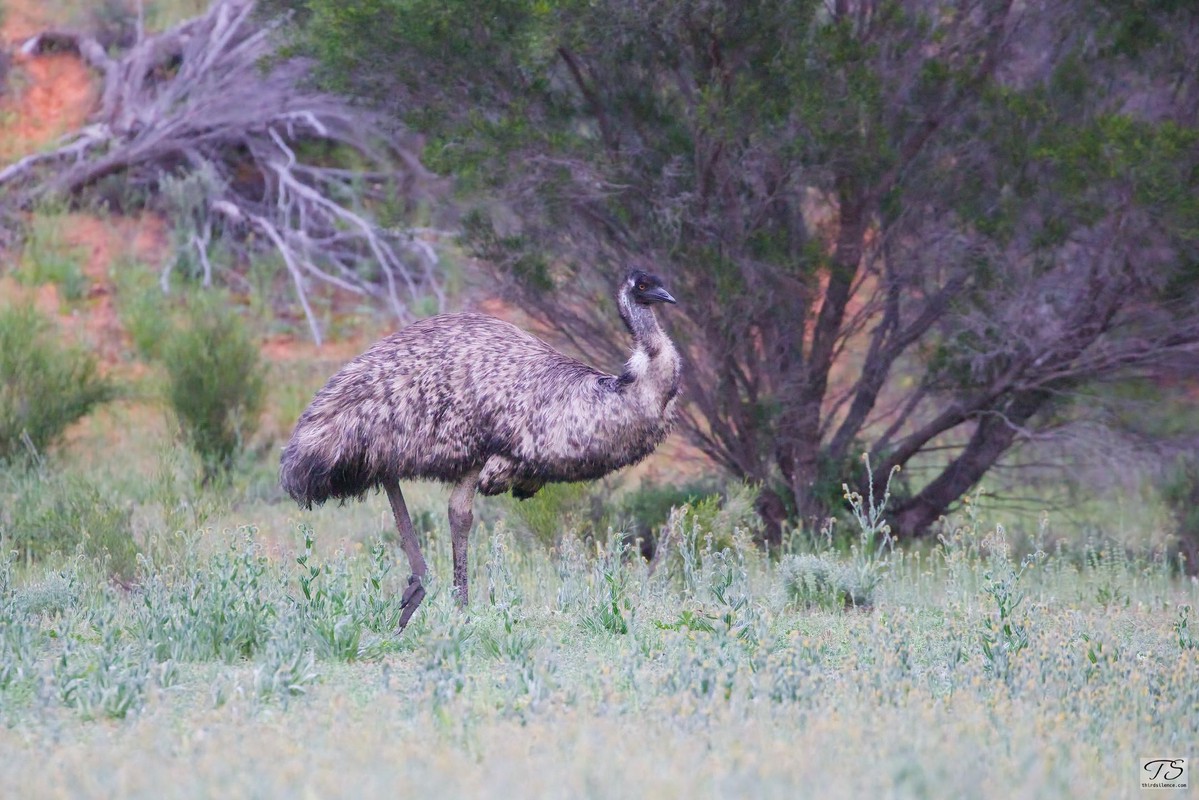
47 96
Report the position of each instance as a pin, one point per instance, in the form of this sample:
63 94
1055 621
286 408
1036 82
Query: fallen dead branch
213 124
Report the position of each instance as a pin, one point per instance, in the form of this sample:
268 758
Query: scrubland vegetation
256 655
171 629
902 248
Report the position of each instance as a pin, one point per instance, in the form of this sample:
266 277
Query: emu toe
413 595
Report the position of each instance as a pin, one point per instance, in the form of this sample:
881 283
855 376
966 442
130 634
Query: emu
478 403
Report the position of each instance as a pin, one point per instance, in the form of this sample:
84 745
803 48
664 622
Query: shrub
215 382
647 508
1181 495
45 385
821 581
45 514
558 509
49 258
143 308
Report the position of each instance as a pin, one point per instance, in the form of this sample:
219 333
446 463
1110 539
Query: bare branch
211 99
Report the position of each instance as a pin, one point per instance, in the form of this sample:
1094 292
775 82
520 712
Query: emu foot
413 595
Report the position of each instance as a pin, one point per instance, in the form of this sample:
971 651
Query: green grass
159 14
48 257
159 638
260 660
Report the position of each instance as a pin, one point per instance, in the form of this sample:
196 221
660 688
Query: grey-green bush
48 514
45 384
215 382
821 581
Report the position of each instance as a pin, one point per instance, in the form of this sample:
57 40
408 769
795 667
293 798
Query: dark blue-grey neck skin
641 321
639 294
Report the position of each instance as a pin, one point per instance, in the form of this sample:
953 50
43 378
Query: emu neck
643 324
653 366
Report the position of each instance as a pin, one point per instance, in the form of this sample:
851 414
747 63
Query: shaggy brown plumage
474 401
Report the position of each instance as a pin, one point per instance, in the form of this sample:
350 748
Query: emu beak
660 295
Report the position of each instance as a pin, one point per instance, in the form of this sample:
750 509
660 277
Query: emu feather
474 401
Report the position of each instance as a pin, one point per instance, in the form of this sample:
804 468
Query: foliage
645 509
827 580
1004 635
143 308
1181 493
715 519
108 679
556 509
48 258
248 632
215 381
45 385
218 608
988 232
821 581
46 514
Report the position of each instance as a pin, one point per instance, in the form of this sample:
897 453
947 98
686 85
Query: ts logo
1165 769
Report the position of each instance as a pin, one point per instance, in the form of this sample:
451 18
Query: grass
48 258
161 638
108 14
260 660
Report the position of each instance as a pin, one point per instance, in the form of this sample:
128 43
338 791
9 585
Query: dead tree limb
211 122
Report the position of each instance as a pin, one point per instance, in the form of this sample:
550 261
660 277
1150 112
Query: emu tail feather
315 468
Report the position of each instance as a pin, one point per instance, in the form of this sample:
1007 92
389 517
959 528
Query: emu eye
642 286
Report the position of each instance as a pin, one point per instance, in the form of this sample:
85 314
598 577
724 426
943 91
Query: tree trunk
773 512
801 453
994 435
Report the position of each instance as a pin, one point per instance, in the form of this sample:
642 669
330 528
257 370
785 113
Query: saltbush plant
45 385
215 382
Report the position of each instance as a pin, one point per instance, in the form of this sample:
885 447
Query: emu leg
461 516
415 592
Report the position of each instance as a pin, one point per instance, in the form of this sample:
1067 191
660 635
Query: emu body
474 401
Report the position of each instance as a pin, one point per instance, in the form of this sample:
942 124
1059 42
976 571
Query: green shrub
1181 495
646 509
47 514
215 382
49 258
558 509
45 385
143 308
821 581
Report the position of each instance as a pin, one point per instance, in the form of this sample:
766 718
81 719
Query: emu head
645 289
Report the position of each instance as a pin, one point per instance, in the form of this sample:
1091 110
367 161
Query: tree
910 227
